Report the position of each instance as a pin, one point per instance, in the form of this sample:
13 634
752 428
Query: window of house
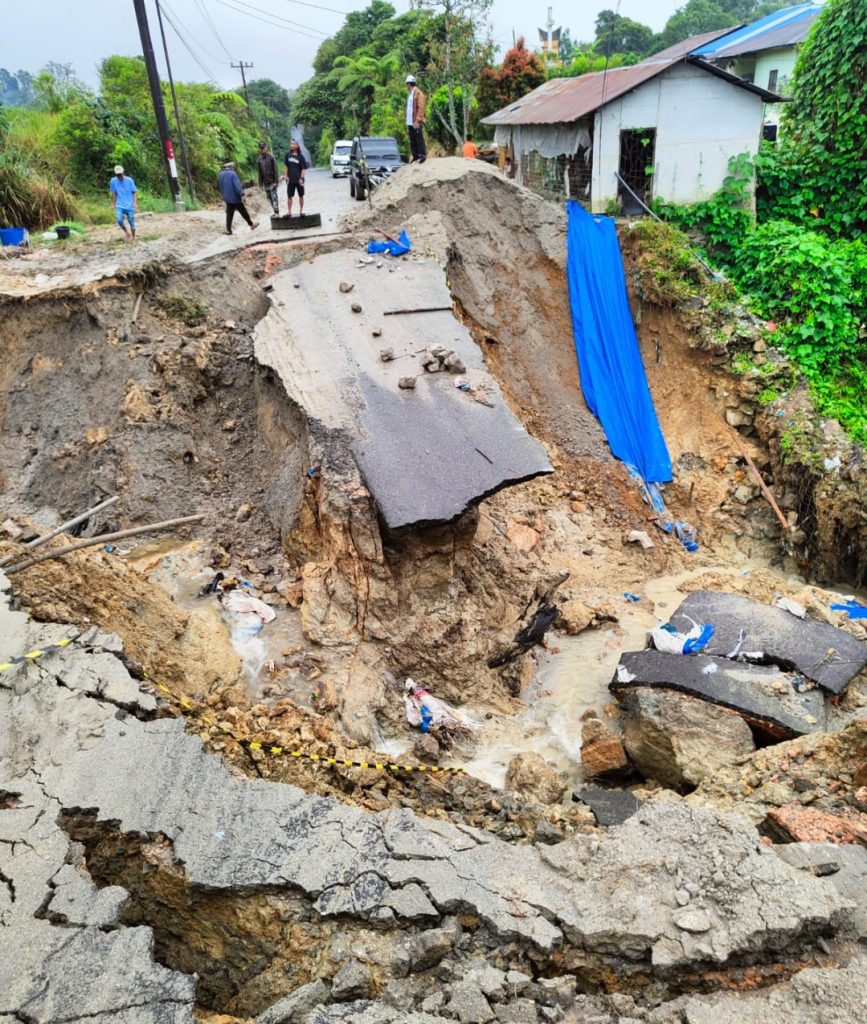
772 80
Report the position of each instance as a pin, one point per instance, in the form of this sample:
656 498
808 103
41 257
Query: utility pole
181 138
157 99
241 65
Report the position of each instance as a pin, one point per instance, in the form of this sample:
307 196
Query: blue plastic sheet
612 373
854 609
398 248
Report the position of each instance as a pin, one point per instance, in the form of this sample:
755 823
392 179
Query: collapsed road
204 819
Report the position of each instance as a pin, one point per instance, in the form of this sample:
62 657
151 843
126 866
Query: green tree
360 77
616 34
696 17
825 126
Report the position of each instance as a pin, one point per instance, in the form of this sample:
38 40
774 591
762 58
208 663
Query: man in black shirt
268 176
296 166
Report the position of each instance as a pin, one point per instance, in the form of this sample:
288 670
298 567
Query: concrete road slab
761 694
821 652
427 453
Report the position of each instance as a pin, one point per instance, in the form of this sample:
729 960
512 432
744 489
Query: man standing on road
232 192
296 166
470 150
416 106
268 176
124 195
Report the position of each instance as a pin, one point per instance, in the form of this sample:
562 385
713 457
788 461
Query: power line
318 7
204 10
304 30
177 21
169 15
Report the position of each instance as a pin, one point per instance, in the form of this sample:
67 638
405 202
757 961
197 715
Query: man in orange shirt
470 149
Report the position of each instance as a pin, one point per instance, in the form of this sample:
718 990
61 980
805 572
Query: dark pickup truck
371 160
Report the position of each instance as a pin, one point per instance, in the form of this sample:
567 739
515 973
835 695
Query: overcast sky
82 32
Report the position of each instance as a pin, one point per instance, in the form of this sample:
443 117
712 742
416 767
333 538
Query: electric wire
193 35
170 16
319 7
280 22
206 15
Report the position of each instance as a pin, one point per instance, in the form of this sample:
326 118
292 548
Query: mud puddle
575 679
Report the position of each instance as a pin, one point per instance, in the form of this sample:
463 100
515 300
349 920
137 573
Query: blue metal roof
782 28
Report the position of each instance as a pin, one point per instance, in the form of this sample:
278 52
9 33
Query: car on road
340 158
372 159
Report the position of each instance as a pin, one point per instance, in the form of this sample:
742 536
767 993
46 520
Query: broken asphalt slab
425 454
609 806
822 653
761 694
844 865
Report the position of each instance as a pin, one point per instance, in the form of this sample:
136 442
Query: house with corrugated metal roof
666 127
764 52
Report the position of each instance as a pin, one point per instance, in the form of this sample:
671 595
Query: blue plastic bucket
11 236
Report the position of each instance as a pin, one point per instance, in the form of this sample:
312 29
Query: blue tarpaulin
612 373
398 247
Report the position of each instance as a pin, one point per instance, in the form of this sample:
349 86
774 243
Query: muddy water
575 679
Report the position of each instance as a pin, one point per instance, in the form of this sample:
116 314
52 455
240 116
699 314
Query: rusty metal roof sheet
563 100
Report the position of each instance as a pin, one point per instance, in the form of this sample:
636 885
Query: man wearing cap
268 176
416 105
124 195
232 192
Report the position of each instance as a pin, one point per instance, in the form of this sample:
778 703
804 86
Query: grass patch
179 307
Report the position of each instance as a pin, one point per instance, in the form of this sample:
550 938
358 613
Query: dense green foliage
60 147
521 71
802 263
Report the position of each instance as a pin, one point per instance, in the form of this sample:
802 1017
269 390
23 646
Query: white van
340 158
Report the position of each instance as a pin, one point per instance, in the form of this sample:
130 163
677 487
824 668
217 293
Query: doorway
637 154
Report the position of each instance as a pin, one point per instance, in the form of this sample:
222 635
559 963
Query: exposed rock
525 538
346 287
639 537
385 354
575 616
290 1009
406 383
532 775
356 307
352 981
845 867
678 740
811 825
426 748
602 752
468 1004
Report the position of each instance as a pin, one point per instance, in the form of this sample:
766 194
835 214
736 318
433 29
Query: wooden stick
104 538
764 487
391 238
137 304
423 309
63 527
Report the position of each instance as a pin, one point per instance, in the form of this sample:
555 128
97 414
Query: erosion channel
406 728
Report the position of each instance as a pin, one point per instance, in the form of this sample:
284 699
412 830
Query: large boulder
679 741
602 752
531 775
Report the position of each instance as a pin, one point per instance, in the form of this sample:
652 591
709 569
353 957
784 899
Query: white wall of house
701 121
758 67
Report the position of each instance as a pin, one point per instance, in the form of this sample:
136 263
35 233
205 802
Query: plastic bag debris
631 597
666 638
398 247
424 711
624 675
243 604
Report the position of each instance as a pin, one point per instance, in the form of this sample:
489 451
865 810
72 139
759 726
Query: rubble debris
346 287
845 867
532 775
818 651
356 307
430 714
762 695
386 354
639 537
800 824
679 740
609 806
406 383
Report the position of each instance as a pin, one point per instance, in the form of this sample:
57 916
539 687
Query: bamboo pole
764 487
104 538
63 527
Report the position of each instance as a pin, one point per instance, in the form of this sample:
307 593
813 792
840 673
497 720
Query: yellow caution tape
272 750
38 653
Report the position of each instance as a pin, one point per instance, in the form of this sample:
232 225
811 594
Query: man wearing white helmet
416 106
